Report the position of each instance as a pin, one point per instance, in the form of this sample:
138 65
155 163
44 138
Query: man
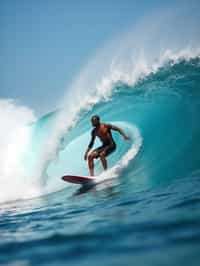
103 131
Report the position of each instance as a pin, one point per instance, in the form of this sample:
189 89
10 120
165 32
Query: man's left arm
121 132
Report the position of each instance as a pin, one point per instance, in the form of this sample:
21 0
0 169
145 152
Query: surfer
103 131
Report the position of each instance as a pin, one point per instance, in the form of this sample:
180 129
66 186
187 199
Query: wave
142 78
168 96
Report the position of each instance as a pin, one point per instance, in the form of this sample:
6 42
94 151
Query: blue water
149 211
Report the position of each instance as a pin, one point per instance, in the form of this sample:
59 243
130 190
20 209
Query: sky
45 43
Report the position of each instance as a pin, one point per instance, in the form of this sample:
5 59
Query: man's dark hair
96 116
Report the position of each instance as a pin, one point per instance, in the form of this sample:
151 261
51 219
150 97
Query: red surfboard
77 179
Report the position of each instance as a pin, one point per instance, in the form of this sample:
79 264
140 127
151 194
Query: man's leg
91 158
103 160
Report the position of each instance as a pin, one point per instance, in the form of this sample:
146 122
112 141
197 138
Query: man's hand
127 138
85 156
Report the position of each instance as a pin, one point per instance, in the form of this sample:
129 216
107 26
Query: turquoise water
145 210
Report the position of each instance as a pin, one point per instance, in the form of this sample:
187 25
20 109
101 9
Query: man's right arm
90 144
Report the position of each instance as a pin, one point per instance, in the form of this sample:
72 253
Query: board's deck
77 179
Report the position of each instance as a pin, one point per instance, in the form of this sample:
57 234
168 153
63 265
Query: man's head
95 120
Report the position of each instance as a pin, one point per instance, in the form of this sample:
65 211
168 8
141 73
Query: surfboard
77 179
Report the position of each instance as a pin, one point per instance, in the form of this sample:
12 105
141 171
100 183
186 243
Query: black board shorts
108 148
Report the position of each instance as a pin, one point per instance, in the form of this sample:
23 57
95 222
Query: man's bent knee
92 156
102 154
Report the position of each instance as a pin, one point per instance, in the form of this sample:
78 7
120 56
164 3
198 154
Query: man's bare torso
104 133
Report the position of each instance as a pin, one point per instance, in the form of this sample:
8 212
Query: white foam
14 138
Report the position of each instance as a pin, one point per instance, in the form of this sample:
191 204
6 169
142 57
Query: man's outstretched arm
90 144
121 132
